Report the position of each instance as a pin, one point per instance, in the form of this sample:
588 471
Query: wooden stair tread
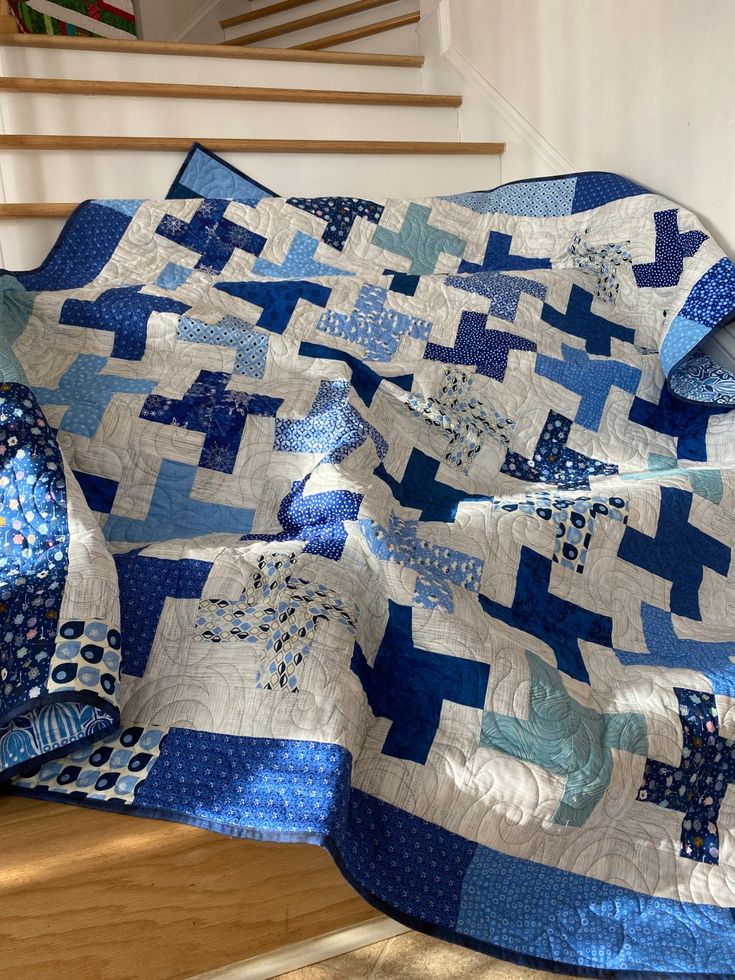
209 50
42 209
64 86
313 20
368 30
273 8
183 143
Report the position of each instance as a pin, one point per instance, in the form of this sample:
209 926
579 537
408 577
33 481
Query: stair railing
7 21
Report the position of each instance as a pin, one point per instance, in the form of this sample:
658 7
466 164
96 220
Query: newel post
7 21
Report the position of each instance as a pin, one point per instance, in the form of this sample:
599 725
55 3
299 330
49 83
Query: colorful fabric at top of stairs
86 18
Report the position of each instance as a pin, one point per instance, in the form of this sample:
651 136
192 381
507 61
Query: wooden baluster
7 21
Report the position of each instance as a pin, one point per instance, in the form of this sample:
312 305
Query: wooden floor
110 897
413 956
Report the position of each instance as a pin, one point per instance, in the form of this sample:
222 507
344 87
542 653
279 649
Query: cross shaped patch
210 408
409 686
568 739
698 785
279 608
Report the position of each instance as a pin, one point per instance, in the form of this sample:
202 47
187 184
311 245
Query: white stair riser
128 116
62 175
318 7
46 63
331 27
402 40
72 176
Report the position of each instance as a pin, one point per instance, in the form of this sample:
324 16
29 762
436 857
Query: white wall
158 20
642 87
185 20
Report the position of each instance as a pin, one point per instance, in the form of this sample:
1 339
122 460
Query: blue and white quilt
400 527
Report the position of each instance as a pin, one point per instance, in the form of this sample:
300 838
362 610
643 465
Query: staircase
313 29
317 115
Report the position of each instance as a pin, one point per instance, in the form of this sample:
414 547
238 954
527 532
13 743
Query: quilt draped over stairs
402 527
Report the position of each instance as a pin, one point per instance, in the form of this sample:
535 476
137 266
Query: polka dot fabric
34 558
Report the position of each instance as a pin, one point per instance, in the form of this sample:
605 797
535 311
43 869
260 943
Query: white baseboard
529 153
300 955
516 123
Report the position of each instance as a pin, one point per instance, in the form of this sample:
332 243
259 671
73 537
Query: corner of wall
485 113
203 14
177 20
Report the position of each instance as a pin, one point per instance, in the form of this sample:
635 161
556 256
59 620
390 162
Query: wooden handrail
379 27
37 210
183 143
61 42
232 93
273 8
288 27
7 21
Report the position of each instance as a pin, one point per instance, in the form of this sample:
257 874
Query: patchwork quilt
400 527
82 18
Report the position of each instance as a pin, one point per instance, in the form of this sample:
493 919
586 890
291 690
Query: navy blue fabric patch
420 488
409 863
554 621
365 381
339 214
210 408
98 491
403 282
475 344
144 586
210 234
671 248
678 552
697 786
595 189
277 299
123 311
554 462
580 321
34 543
673 417
409 685
498 257
84 247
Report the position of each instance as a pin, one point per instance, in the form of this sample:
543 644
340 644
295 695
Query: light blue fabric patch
173 276
606 918
172 508
204 174
539 199
124 207
683 336
16 306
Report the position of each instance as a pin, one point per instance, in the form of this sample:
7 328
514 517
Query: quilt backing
400 527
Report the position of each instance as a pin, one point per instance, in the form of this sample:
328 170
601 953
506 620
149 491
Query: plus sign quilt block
400 527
